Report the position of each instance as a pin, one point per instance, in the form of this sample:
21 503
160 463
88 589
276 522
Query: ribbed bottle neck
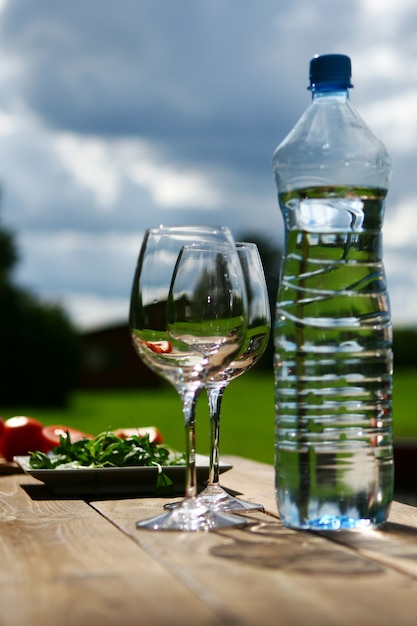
331 92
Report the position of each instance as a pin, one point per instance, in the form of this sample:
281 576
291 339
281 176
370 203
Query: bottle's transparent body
333 334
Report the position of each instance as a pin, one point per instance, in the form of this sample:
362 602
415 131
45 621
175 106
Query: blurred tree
271 256
405 347
39 347
8 255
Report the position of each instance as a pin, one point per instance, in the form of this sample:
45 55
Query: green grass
405 403
247 416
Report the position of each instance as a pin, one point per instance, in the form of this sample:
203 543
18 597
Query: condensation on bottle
333 332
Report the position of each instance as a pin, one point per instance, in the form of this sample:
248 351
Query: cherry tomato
51 434
155 435
21 435
160 347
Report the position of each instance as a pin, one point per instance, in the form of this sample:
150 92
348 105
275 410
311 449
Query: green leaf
109 450
164 485
39 460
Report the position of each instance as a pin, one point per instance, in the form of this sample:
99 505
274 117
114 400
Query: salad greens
109 450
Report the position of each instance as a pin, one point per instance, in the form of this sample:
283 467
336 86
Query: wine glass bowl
188 319
206 311
160 351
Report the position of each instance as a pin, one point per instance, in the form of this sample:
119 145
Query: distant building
110 361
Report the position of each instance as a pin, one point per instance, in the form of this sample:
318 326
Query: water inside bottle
333 362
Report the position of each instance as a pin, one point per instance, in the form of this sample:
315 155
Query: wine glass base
218 498
192 515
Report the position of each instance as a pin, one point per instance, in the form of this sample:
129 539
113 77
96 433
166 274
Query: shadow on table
42 492
333 553
270 545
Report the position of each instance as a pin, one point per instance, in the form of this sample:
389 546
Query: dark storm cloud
207 80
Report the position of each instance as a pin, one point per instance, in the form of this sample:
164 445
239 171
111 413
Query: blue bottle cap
335 70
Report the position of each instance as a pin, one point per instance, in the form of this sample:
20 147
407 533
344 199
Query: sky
119 116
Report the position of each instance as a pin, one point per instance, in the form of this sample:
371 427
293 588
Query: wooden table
75 562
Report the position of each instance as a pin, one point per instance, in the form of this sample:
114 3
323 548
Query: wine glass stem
189 397
215 396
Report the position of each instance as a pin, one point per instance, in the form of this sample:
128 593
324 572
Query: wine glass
188 318
256 340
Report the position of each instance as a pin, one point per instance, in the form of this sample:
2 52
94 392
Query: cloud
399 230
88 161
116 117
102 165
90 310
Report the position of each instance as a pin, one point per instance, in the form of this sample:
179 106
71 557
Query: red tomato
51 434
21 435
154 433
160 347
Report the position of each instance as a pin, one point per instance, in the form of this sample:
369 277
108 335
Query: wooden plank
63 563
66 562
403 514
394 546
252 480
268 574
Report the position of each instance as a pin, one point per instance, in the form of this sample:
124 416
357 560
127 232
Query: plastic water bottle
333 334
